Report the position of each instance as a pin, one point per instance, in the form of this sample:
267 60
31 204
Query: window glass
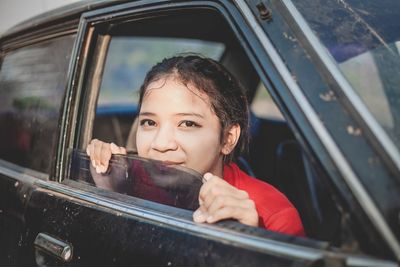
143 178
128 61
363 38
130 58
263 106
32 83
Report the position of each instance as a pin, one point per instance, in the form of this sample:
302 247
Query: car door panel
102 236
15 190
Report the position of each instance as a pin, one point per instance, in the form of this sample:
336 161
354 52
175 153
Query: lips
168 162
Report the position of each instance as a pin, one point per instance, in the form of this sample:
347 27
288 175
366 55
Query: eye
147 123
189 124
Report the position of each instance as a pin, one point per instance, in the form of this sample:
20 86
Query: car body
331 68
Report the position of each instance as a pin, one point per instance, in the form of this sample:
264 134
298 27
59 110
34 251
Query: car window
32 83
366 50
143 178
124 53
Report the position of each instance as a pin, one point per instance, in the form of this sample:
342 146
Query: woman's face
178 126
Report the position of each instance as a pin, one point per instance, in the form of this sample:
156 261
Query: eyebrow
190 114
145 113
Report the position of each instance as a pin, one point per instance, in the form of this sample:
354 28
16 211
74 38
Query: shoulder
259 191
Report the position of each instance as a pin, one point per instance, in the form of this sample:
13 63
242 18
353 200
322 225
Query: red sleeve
285 221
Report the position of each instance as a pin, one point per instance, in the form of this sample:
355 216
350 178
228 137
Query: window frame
309 251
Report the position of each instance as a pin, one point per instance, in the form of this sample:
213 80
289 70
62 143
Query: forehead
172 86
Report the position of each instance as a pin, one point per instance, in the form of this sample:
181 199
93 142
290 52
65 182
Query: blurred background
13 12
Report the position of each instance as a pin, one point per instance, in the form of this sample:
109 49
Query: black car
323 81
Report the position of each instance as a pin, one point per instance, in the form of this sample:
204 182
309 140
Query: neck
218 168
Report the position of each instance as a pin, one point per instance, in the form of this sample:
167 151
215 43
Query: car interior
274 155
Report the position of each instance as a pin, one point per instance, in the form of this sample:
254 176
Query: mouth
172 163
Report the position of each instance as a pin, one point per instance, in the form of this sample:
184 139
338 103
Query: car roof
64 13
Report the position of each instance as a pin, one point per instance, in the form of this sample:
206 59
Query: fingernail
113 146
207 176
198 216
93 163
98 169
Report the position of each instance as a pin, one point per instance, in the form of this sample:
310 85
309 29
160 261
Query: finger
117 149
217 187
105 156
243 215
210 182
122 150
114 148
96 151
226 201
207 176
222 191
224 213
200 215
101 155
90 151
216 192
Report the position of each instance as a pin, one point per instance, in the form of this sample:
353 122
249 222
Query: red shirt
275 211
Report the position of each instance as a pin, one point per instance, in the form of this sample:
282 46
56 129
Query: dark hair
227 97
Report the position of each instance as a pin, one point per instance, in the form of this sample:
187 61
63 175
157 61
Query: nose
164 140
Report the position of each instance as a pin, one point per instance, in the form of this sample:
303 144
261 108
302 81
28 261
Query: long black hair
227 97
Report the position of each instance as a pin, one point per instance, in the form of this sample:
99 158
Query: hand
100 154
219 200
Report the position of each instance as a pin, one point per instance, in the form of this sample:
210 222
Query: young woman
193 113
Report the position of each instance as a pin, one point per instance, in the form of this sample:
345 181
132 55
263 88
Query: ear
231 138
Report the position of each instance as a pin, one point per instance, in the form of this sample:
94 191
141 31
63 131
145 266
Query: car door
69 222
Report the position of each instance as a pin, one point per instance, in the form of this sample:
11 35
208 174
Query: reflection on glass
32 85
363 38
129 59
143 178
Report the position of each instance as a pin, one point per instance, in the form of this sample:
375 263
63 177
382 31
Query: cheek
199 141
201 149
143 142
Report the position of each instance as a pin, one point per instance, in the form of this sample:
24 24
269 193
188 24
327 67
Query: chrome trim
54 247
24 175
368 262
204 230
349 176
356 101
17 44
